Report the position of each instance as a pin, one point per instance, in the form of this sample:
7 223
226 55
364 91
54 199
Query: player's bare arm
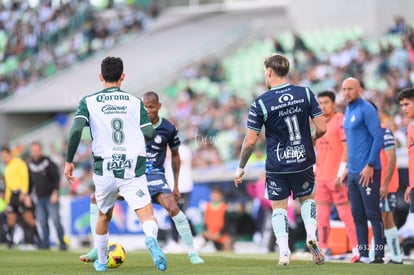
249 143
74 140
392 160
176 164
320 126
342 171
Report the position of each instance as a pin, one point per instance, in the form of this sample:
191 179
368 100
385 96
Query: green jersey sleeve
75 137
82 111
81 119
145 123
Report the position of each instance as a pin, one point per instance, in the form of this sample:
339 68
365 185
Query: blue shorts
280 186
157 184
389 203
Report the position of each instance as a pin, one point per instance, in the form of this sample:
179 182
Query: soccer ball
116 254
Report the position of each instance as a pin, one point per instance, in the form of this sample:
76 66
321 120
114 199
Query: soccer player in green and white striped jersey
119 125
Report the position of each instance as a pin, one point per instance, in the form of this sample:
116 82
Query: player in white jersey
119 125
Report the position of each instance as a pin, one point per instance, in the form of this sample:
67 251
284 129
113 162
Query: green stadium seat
11 64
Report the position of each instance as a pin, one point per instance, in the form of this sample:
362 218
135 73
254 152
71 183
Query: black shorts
15 205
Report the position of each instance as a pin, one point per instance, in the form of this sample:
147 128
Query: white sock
280 228
101 244
391 235
308 213
150 228
183 228
93 218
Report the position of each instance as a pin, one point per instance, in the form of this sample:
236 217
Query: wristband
341 169
239 172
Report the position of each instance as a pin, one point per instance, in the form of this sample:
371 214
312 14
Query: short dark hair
112 68
328 93
278 63
152 93
6 149
216 189
407 93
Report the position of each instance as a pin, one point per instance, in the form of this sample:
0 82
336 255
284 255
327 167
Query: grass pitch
57 262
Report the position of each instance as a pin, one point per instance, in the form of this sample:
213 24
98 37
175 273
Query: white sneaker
284 258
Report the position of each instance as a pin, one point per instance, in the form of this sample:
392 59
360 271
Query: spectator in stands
277 46
206 154
216 221
399 59
399 25
298 43
408 44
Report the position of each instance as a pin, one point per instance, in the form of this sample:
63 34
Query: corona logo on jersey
104 97
119 162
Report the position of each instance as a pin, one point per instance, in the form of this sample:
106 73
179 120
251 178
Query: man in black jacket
44 183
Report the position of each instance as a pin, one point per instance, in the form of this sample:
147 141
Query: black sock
10 235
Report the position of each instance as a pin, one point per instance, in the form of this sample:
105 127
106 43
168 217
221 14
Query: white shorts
133 190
